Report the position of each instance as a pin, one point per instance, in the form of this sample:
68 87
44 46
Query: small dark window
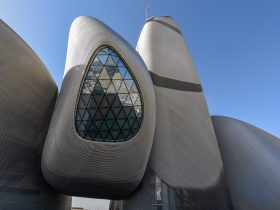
110 105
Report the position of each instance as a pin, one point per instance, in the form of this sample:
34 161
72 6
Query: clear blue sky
235 45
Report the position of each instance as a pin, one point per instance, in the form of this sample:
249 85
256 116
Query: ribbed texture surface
251 159
184 142
185 156
88 168
27 94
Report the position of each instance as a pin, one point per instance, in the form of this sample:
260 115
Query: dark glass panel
110 106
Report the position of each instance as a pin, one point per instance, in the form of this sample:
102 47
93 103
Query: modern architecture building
129 125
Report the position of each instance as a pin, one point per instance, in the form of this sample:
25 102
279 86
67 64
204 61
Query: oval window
110 106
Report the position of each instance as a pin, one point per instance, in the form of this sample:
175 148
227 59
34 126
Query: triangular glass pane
85 116
90 84
127 75
96 62
90 75
116 111
81 112
109 123
109 107
110 70
110 51
120 64
81 104
122 71
85 99
85 89
126 126
121 115
109 137
132 113
103 127
115 134
98 137
135 125
111 88
117 102
104 103
128 101
122 98
77 123
104 134
98 99
104 74
130 135
110 62
98 124
92 113
138 111
115 126
103 58
123 88
133 88
98 116
110 115
133 97
101 52
105 84
131 121
81 127
128 84
127 110
117 84
121 122
106 50
117 75
96 70
137 101
98 88
91 103
110 98
125 133
115 59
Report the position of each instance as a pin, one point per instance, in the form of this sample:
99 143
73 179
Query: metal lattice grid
110 105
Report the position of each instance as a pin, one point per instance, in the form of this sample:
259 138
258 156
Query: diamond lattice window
110 105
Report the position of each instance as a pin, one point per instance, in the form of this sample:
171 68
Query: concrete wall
251 158
28 94
82 167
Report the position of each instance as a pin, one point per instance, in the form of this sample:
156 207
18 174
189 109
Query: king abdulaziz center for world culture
130 125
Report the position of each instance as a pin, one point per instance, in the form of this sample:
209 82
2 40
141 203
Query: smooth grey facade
128 125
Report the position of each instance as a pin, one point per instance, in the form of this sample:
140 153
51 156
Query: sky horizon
235 46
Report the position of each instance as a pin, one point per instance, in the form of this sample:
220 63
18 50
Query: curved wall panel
185 153
82 166
27 94
251 158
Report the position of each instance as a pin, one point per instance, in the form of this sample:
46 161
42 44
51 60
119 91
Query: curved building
129 126
251 158
28 94
185 159
102 130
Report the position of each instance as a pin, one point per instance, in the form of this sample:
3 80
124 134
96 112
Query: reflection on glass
110 105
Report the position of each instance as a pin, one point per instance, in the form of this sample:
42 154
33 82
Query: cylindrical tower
185 157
